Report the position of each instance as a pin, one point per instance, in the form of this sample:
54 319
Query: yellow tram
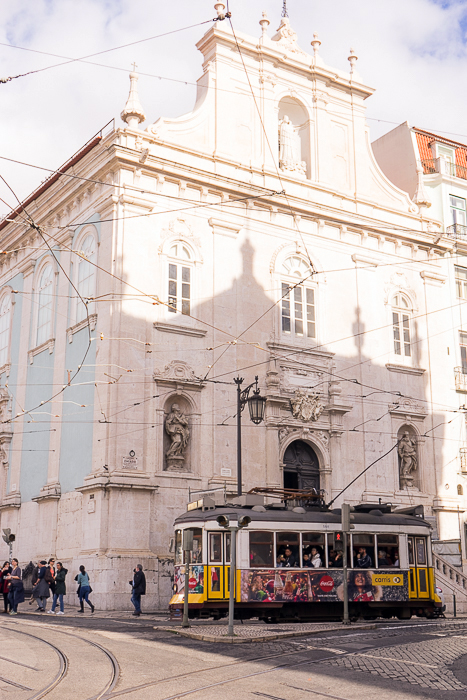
289 561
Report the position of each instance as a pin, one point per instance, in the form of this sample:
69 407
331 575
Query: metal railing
456 577
460 378
444 167
457 231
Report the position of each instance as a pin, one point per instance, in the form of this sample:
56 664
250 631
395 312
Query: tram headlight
244 521
223 520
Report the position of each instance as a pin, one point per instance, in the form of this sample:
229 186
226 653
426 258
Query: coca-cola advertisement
315 586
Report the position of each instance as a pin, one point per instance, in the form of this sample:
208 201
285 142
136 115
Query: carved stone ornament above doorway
177 372
306 406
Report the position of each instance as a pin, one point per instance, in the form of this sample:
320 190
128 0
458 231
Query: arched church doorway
301 466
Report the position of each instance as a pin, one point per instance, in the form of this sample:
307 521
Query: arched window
45 303
298 307
460 490
401 314
5 323
86 276
179 279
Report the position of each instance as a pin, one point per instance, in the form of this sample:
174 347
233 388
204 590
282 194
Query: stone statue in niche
290 148
176 427
408 461
305 406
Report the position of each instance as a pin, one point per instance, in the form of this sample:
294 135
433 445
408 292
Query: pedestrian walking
60 588
16 594
41 590
84 589
5 584
138 585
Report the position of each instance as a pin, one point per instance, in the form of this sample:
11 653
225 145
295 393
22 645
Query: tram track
305 647
64 663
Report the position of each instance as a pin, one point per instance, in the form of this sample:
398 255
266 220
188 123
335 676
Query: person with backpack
84 589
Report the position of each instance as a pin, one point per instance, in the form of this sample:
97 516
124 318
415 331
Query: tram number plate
387 579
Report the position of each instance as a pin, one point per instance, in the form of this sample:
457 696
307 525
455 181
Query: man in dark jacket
138 588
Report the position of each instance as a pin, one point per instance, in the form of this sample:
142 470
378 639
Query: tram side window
196 556
261 549
215 547
287 549
336 550
313 549
388 551
178 548
363 548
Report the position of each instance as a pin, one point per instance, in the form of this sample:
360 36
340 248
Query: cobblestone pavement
395 661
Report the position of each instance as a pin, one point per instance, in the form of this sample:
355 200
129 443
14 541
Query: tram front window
313 550
178 548
287 549
261 549
363 551
388 551
196 555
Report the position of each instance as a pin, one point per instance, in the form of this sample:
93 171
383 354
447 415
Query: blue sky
413 52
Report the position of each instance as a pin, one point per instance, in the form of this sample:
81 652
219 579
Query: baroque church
255 235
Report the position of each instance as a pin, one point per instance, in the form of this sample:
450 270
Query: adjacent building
256 235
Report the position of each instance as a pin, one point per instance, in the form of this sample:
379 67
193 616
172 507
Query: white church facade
254 236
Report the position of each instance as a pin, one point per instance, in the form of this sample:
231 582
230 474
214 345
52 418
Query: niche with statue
177 434
408 458
294 137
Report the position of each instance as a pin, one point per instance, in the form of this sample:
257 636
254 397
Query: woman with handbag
84 589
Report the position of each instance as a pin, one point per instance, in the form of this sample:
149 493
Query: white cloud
413 53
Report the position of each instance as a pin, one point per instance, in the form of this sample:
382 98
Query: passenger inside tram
362 559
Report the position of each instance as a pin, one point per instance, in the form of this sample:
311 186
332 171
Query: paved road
79 659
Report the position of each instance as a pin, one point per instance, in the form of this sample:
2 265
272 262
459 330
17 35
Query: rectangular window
388 551
298 311
172 288
463 349
313 550
287 549
261 549
286 325
461 282
401 332
458 214
215 547
336 550
179 289
363 550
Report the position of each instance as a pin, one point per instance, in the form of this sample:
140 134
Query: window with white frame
458 213
298 305
86 275
461 281
5 325
45 304
401 314
180 273
463 351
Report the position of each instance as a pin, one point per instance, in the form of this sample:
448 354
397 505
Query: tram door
418 571
218 569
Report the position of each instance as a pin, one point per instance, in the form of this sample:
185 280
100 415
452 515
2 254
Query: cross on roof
134 66
284 9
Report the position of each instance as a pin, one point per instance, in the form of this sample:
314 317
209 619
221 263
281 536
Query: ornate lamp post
256 405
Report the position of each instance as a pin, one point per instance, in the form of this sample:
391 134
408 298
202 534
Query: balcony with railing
444 167
460 378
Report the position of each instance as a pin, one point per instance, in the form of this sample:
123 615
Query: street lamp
256 405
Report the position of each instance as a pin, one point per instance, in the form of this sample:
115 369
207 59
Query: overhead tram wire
97 53
31 223
176 80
